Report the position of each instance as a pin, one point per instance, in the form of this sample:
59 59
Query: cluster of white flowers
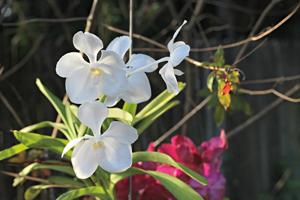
112 78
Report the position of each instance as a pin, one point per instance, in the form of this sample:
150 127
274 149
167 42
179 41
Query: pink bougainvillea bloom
206 160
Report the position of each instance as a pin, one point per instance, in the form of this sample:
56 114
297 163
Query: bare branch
150 41
182 121
44 20
254 38
24 60
271 80
269 91
11 109
256 26
263 112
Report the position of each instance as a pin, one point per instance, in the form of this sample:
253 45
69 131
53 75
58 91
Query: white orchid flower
86 81
111 150
138 89
178 51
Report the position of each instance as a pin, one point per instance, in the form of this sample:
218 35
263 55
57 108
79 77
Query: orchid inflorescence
109 79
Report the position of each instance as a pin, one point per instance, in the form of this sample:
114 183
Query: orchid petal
111 58
167 73
120 45
178 72
139 60
92 114
88 43
114 83
171 42
82 86
69 63
115 156
84 159
179 54
123 133
139 89
70 145
111 101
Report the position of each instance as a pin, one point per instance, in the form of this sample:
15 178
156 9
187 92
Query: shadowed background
262 161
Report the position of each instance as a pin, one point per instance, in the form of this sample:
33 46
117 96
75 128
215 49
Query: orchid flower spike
86 81
138 89
178 52
111 150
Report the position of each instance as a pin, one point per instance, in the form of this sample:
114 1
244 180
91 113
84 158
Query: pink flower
183 150
206 160
211 153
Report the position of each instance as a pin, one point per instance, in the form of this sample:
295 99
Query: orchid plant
97 80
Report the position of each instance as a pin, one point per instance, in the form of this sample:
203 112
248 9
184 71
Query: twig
88 26
135 35
36 180
58 119
24 60
138 36
281 182
11 109
130 26
57 12
269 91
90 17
182 121
44 20
256 26
26 177
250 52
271 80
254 38
260 114
196 12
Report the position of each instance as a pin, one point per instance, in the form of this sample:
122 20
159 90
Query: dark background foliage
263 159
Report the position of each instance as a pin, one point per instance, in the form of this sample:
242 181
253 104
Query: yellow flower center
98 145
96 71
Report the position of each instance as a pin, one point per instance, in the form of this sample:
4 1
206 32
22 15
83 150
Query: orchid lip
96 71
98 145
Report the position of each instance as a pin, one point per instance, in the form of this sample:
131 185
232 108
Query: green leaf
11 151
219 114
93 190
210 81
36 166
33 191
219 57
34 140
234 76
146 122
157 103
58 106
55 101
44 124
120 114
131 108
71 120
66 181
165 159
224 100
178 188
246 107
